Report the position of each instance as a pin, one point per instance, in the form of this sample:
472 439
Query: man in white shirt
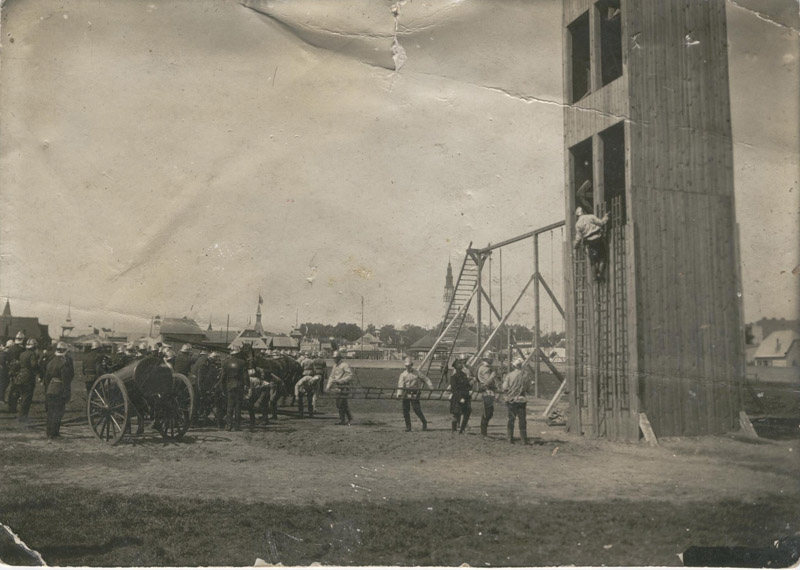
410 383
339 380
590 230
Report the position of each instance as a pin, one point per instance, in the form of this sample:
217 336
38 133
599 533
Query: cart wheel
175 409
107 408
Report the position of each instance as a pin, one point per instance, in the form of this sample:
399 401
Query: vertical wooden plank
574 422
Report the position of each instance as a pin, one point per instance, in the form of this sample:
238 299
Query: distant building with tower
67 327
29 326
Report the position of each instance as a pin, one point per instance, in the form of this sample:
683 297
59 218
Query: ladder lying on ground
370 393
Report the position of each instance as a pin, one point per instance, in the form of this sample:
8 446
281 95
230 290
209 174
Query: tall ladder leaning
435 363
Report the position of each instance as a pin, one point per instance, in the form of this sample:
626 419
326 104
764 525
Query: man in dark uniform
234 379
12 364
4 362
213 378
460 404
120 358
58 376
183 361
95 365
24 383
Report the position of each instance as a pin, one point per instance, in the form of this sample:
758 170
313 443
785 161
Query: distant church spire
67 327
259 328
7 310
449 289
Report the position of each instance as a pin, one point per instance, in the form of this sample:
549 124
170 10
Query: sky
182 157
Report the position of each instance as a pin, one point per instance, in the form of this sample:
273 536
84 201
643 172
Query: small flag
260 300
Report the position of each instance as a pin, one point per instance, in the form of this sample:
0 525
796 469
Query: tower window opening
613 141
582 177
610 17
580 71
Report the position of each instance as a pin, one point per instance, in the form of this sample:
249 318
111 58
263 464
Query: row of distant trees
408 334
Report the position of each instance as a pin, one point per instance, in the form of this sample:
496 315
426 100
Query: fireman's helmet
9 343
61 348
186 348
95 345
31 343
20 338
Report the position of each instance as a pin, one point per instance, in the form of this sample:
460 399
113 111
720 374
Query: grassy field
111 530
303 491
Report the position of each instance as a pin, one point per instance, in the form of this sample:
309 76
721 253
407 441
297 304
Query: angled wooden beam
556 398
552 296
501 323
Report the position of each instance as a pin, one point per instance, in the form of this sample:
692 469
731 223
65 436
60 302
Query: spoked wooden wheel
175 409
107 408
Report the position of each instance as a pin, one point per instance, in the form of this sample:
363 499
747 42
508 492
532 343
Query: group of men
225 386
22 364
513 386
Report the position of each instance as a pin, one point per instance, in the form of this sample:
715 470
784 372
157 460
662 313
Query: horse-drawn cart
147 389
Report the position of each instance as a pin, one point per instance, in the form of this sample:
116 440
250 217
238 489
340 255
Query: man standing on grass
4 361
24 383
234 379
339 380
516 385
57 389
408 386
320 367
460 403
487 384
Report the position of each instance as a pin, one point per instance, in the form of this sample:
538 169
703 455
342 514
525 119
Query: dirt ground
296 462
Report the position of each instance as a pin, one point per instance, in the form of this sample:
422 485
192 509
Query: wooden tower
647 125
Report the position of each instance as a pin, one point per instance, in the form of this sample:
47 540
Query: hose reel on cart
147 389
